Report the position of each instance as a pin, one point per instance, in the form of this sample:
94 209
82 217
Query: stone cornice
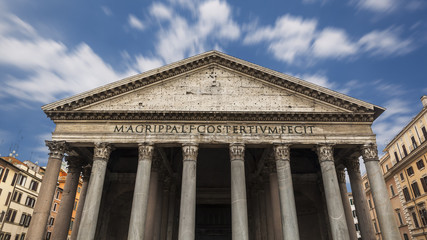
211 116
213 58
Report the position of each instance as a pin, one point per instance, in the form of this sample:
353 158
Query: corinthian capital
325 153
102 150
353 165
189 152
145 151
369 152
237 151
341 175
282 152
56 148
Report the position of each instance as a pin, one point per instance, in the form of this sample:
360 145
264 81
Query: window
2 216
424 183
424 133
396 157
400 218
23 218
34 185
410 171
17 196
57 195
79 189
375 226
51 221
54 207
75 205
21 180
404 150
366 185
414 143
420 164
22 236
14 179
5 175
354 213
392 190
402 177
357 227
7 236
71 225
30 202
48 234
423 215
10 215
7 199
416 190
414 217
405 236
1 172
406 194
386 166
369 202
27 221
351 201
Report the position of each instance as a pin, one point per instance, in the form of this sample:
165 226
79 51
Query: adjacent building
404 168
353 213
19 188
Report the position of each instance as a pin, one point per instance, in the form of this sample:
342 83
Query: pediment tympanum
213 86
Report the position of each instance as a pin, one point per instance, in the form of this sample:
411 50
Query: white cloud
289 38
144 63
319 79
107 11
378 5
385 43
53 69
160 11
213 21
134 22
293 39
333 42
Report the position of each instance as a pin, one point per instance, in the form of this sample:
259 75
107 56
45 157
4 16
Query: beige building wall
22 185
405 173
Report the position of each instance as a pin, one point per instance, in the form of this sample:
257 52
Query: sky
373 50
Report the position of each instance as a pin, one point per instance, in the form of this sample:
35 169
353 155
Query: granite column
62 222
187 214
360 201
239 211
89 221
339 229
41 212
380 195
346 204
286 193
82 199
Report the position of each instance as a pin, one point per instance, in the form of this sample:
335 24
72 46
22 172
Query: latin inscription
215 129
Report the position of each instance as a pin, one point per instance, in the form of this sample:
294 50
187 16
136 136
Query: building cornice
211 116
406 160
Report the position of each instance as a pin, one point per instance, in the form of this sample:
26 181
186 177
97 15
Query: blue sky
373 50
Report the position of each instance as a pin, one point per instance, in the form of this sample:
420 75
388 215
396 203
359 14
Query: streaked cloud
161 11
293 39
107 11
135 22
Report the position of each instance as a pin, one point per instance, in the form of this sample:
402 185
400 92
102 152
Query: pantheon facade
213 147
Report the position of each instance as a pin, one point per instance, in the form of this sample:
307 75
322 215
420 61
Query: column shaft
360 201
275 204
286 191
334 204
187 214
152 203
82 199
346 204
165 208
239 211
96 183
380 195
140 194
41 212
62 222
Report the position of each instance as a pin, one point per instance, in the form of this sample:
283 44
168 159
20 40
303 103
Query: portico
213 147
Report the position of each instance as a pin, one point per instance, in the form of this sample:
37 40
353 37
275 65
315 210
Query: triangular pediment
213 83
213 88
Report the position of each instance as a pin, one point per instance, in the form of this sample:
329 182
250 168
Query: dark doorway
213 222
